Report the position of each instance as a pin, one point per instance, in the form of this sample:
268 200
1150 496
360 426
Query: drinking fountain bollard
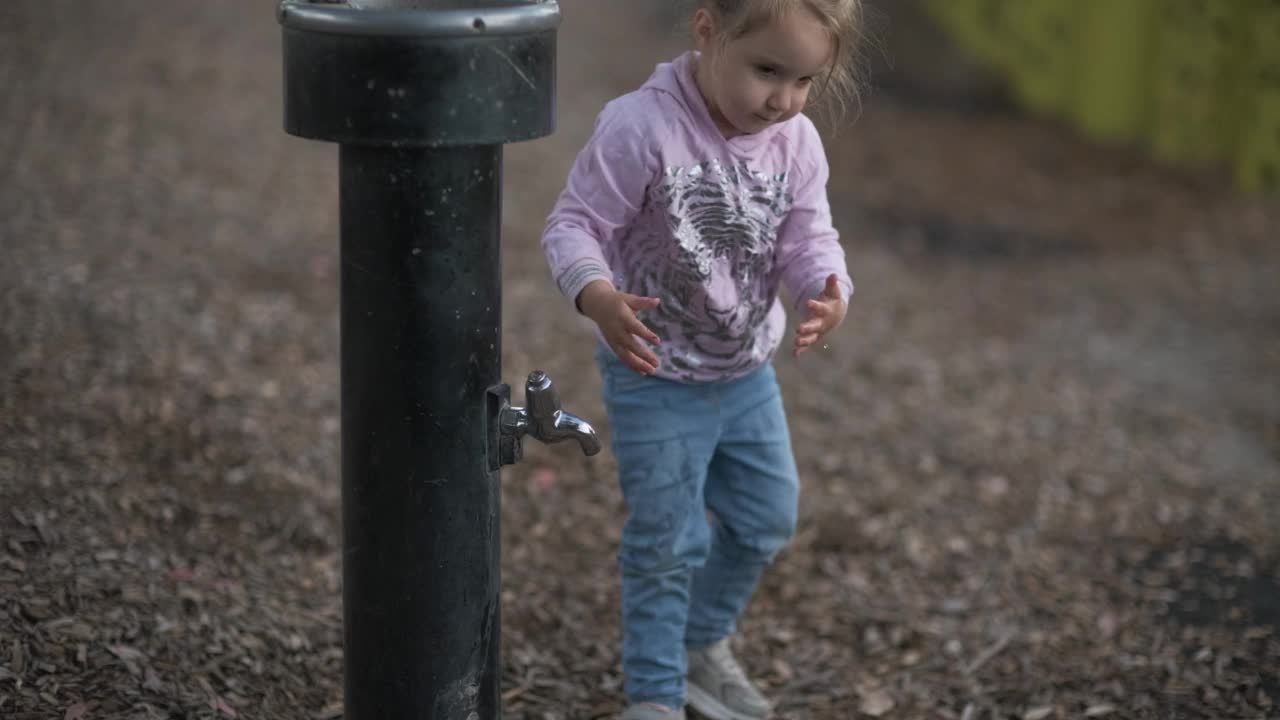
421 95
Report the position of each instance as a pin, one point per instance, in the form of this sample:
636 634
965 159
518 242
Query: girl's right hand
614 313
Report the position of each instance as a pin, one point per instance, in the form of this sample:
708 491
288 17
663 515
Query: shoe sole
713 709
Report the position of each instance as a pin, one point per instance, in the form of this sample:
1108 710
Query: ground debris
1040 461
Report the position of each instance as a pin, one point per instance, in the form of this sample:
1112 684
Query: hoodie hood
676 79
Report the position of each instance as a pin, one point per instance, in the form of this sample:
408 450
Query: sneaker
719 689
652 711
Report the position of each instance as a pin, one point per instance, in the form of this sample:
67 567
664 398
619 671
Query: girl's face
763 77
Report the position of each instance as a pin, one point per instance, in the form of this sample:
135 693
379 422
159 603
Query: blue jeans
684 450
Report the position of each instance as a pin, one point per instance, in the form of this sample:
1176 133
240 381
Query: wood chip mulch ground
1041 460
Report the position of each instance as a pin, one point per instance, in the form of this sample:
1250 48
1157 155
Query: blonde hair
843 19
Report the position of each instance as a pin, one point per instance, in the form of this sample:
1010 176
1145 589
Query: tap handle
543 402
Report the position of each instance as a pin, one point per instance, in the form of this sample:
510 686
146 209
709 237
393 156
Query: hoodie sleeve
605 191
808 245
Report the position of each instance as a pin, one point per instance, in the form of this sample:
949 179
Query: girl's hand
825 314
615 314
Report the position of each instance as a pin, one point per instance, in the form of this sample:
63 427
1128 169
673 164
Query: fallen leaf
1099 710
1038 713
151 681
129 656
876 703
333 711
223 707
126 653
1108 624
75 712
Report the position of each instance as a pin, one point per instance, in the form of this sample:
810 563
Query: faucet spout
571 427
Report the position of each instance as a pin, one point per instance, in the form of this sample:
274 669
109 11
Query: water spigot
543 419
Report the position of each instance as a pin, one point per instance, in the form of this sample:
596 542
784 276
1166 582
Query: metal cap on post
420 73
420 97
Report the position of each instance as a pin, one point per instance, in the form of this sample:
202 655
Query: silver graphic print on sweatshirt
722 224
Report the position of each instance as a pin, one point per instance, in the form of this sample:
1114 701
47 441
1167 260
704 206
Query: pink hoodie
660 204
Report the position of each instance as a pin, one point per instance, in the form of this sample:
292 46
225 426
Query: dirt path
1042 460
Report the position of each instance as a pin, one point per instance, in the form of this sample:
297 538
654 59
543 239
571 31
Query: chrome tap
543 419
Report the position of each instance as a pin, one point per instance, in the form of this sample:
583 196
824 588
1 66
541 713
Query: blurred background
1193 82
1041 458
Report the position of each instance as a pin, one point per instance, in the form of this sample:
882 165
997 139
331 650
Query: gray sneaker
719 689
652 711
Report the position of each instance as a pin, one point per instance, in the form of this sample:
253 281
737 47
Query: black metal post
420 231
421 95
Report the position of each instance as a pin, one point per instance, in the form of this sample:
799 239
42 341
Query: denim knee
666 528
761 544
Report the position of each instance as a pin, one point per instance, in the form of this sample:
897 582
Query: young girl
699 197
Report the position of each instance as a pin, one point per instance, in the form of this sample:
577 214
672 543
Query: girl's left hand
825 314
